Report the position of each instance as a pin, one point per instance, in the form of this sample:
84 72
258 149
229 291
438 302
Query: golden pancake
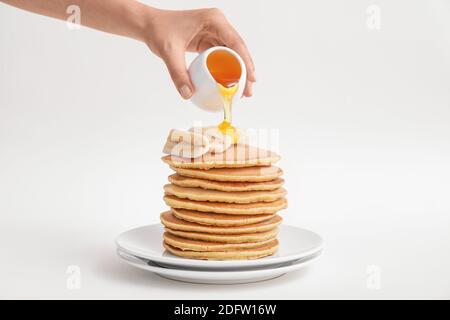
227 208
249 174
170 221
217 219
236 156
231 254
187 182
224 238
199 194
198 245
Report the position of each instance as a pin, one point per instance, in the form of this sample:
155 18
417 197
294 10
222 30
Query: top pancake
237 156
249 174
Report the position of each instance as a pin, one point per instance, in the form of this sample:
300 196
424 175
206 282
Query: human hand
171 33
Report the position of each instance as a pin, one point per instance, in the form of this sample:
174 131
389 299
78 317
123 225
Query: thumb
176 64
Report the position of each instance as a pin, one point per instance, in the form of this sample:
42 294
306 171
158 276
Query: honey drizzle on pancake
226 70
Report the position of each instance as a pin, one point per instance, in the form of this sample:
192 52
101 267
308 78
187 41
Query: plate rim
220 275
211 264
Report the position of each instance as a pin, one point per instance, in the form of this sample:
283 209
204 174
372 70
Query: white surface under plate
218 277
146 242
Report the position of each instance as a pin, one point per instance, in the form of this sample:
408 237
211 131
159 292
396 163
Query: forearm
122 17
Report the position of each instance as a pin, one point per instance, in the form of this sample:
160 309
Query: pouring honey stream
226 70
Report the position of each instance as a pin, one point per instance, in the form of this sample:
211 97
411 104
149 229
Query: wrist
139 18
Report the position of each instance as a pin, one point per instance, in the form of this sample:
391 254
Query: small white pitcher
206 94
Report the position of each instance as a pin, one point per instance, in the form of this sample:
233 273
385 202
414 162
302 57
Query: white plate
217 277
146 242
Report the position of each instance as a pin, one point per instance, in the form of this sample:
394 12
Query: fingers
248 91
242 50
234 41
176 64
240 47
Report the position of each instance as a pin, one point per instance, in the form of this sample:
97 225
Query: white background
364 117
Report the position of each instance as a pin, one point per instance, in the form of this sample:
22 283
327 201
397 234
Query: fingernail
185 91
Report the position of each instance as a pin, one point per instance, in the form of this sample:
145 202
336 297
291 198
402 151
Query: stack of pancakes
224 206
